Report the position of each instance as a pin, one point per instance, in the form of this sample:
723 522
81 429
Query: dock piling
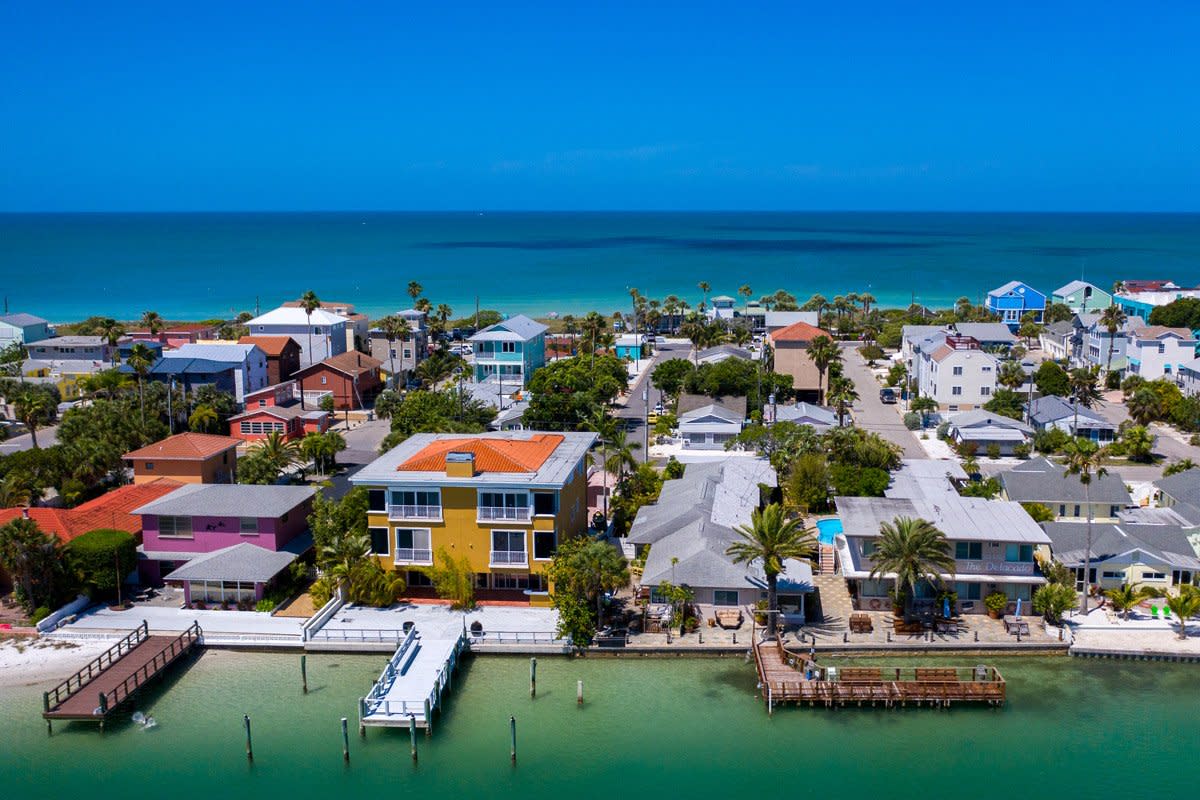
304 673
533 677
428 720
362 729
249 744
412 735
512 730
579 692
345 741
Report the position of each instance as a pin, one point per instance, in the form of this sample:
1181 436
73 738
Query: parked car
887 395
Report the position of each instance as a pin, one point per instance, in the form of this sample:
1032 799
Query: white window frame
534 536
174 527
414 554
508 560
414 510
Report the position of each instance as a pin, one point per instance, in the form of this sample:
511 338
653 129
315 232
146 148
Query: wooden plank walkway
788 677
97 690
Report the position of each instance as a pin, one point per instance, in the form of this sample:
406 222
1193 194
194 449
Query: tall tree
842 395
620 452
587 569
34 407
112 331
824 352
152 322
915 551
1113 319
310 303
1184 604
141 359
1085 460
705 288
771 538
395 329
414 290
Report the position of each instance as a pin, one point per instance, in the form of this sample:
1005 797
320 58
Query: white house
73 348
1189 377
987 430
707 423
1157 351
819 418
326 330
958 375
722 308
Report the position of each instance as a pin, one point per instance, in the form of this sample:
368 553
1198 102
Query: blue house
1014 300
510 350
22 328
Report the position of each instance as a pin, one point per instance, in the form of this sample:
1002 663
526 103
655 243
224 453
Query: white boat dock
413 684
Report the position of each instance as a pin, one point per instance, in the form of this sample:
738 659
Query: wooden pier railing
59 694
157 663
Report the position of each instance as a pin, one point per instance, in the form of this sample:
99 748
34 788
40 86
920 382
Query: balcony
509 558
409 555
414 512
505 514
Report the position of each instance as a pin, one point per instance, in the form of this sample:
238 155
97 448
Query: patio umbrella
1018 607
946 608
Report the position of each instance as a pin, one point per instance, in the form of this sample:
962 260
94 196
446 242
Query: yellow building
503 500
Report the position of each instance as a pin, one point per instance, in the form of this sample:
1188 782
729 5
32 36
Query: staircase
836 604
826 560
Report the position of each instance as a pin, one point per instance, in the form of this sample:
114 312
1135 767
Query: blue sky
954 106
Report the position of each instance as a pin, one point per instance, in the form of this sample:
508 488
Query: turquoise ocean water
192 266
675 728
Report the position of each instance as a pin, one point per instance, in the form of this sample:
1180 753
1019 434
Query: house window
958 370
956 391
1018 591
408 353
413 546
985 390
544 545
416 504
379 541
1181 576
967 591
175 527
324 380
508 347
1154 576
1076 510
1117 575
1114 510
1062 510
543 503
376 500
725 597
1018 553
968 551
149 465
508 547
868 548
986 369
248 526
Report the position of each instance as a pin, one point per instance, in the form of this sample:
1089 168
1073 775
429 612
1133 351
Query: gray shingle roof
692 402
1183 487
1164 544
229 500
1039 480
515 328
1051 408
722 352
22 320
987 419
806 414
242 562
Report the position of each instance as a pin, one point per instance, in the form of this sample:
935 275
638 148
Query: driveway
362 440
872 414
1166 442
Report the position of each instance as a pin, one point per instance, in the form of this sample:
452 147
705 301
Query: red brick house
352 377
283 356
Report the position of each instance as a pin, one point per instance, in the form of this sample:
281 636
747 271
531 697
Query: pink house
224 543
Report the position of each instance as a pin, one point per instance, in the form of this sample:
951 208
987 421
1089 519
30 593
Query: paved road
1113 410
46 437
633 413
870 413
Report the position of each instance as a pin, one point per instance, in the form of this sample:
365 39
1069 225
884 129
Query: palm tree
824 353
697 333
842 395
1145 406
772 538
15 490
923 405
1011 375
1125 597
278 451
745 292
1138 443
867 299
915 551
444 312
395 328
108 382
705 288
33 408
414 290
310 303
112 332
152 322
1113 319
1176 467
423 305
1084 391
605 427
1085 459
620 453
141 359
1184 603
203 419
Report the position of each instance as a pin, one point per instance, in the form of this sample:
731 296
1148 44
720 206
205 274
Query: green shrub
996 602
1051 440
1112 381
40 614
993 451
1039 512
912 421
266 605
1022 450
943 430
102 558
853 481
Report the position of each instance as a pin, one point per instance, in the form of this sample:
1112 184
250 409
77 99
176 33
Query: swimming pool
828 528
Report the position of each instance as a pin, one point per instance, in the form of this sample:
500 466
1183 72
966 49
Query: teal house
1082 297
510 350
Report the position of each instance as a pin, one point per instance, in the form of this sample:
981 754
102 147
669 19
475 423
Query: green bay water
687 728
195 266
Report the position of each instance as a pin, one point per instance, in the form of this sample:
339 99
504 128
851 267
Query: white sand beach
29 662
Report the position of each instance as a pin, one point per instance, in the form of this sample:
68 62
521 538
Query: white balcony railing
501 513
509 558
414 512
414 555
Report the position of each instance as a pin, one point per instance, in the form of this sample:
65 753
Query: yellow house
503 500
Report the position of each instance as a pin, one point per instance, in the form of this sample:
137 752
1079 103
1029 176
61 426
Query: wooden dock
788 677
97 690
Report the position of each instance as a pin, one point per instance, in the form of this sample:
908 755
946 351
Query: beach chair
1166 612
1154 612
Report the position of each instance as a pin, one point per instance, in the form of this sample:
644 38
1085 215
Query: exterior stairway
826 560
836 604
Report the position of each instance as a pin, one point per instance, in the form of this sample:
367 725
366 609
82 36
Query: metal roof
229 500
296 316
242 562
515 328
959 518
22 320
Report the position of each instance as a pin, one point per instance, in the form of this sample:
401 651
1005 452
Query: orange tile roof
109 510
186 447
798 332
491 455
271 345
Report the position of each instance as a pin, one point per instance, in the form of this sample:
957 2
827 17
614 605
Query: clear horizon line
594 211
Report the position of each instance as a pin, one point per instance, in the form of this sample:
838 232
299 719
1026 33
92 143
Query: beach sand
31 662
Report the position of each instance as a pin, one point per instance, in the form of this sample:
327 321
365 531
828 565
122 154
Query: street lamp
458 373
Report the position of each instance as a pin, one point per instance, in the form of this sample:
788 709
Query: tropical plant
348 561
823 352
1011 375
141 359
34 559
1137 443
587 569
1112 318
771 538
1184 603
1176 467
152 322
1085 390
414 290
112 331
34 407
310 303
1039 512
842 395
923 405
1127 596
101 559
1145 406
1051 379
203 419
1053 600
1084 458
395 328
453 579
915 551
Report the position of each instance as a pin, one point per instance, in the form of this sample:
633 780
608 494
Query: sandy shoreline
33 662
